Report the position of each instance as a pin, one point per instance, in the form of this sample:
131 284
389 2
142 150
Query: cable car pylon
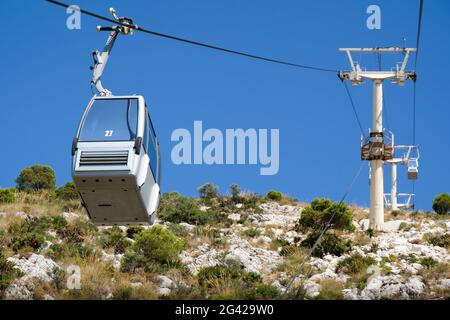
378 146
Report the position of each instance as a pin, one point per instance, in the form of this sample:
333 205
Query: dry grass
37 204
431 276
358 213
331 289
361 239
435 273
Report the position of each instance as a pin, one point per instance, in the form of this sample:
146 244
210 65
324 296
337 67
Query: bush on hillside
328 244
274 195
153 248
441 240
30 233
7 196
266 291
354 264
132 231
235 192
176 208
208 191
36 177
322 211
67 192
115 239
441 204
8 273
216 275
77 231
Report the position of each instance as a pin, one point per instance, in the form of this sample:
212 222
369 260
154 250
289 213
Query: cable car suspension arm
101 58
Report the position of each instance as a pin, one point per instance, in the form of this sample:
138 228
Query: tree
235 191
208 191
36 177
441 203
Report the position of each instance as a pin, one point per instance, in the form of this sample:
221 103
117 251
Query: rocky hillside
221 247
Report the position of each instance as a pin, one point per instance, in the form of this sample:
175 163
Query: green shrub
72 205
208 191
320 204
266 291
7 196
354 264
176 208
310 219
321 211
132 231
214 276
59 275
32 232
252 277
3 238
153 248
55 251
114 238
67 192
330 295
249 201
441 204
29 233
235 192
81 250
374 247
216 216
77 231
441 240
58 223
8 273
252 232
36 177
328 244
274 195
428 262
343 218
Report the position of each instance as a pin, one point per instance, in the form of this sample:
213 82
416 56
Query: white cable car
413 169
412 157
115 154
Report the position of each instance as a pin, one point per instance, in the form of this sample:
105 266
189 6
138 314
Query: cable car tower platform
378 147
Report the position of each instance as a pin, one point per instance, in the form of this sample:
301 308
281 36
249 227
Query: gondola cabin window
111 120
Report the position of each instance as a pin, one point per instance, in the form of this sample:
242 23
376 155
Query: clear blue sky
45 87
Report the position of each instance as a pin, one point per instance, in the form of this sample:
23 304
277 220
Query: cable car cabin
116 161
413 169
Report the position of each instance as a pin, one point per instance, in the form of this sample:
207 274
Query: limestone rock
35 268
234 217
